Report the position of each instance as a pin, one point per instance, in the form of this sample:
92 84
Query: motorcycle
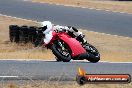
65 48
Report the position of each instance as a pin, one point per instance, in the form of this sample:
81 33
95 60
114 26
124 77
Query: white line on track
26 60
18 18
88 30
31 60
110 34
121 62
83 7
9 76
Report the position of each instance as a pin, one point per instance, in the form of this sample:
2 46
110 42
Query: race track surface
98 21
52 70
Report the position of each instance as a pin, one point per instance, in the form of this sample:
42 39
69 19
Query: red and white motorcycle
65 48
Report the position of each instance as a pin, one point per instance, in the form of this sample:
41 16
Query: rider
47 28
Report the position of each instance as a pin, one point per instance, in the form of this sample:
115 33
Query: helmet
46 26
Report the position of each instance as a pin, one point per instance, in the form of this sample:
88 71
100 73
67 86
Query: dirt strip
52 84
119 6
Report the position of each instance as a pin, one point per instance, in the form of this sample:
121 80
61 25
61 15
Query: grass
123 6
112 48
18 51
45 84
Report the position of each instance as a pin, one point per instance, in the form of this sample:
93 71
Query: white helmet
47 26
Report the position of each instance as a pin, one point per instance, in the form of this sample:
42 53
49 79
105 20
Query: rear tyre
94 55
62 55
14 33
24 34
93 59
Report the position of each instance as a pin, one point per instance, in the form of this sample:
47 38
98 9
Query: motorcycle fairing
74 45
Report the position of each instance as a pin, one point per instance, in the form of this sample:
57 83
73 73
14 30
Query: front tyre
61 51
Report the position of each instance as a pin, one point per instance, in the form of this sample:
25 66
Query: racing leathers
72 31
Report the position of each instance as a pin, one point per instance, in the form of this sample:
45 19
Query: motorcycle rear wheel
94 55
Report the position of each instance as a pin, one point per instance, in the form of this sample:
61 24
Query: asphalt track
100 21
94 20
53 70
